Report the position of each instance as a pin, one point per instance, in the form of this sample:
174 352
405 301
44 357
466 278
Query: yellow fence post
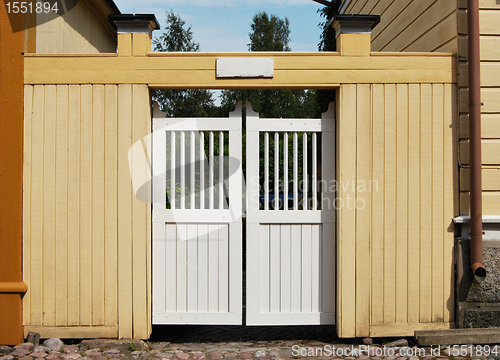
134 33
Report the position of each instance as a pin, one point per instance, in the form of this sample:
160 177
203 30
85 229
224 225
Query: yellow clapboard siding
141 126
27 163
363 176
490 177
490 74
356 8
98 203
61 202
488 22
125 221
490 152
489 47
111 205
391 13
442 33
346 228
377 203
489 98
413 28
490 126
322 72
491 203
483 4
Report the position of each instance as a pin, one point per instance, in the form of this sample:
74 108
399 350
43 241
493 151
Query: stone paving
232 343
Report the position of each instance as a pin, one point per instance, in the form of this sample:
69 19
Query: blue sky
223 25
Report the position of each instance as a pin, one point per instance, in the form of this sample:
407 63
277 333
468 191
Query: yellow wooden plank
418 26
402 204
363 194
111 205
140 122
390 205
489 98
491 203
438 221
440 34
483 4
490 126
346 270
124 44
61 211
414 204
450 199
27 163
36 281
489 47
124 212
451 46
49 173
391 14
490 177
490 152
86 206
356 8
488 22
67 332
141 44
406 329
98 205
425 265
74 205
314 72
490 74
377 206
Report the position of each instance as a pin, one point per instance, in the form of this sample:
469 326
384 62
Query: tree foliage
189 102
269 33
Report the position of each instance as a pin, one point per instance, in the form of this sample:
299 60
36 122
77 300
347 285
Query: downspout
476 217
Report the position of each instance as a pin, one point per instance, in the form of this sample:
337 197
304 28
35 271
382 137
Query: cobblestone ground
237 342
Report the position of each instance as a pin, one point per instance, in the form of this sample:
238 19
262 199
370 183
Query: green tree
327 42
270 33
188 102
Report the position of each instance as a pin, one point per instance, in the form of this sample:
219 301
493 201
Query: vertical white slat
160 263
326 250
202 170
295 172
296 268
221 170
224 268
276 170
172 170
183 170
264 267
308 274
203 267
213 267
266 171
286 269
211 171
285 170
192 268
192 160
160 170
275 268
314 177
181 265
304 180
313 235
170 259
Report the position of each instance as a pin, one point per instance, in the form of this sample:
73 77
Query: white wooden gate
197 227
290 220
197 206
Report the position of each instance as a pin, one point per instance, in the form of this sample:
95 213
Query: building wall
79 31
394 264
406 25
86 237
489 28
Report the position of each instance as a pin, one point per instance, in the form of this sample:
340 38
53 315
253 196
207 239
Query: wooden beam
198 70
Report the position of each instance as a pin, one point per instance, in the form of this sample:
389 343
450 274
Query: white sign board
245 67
